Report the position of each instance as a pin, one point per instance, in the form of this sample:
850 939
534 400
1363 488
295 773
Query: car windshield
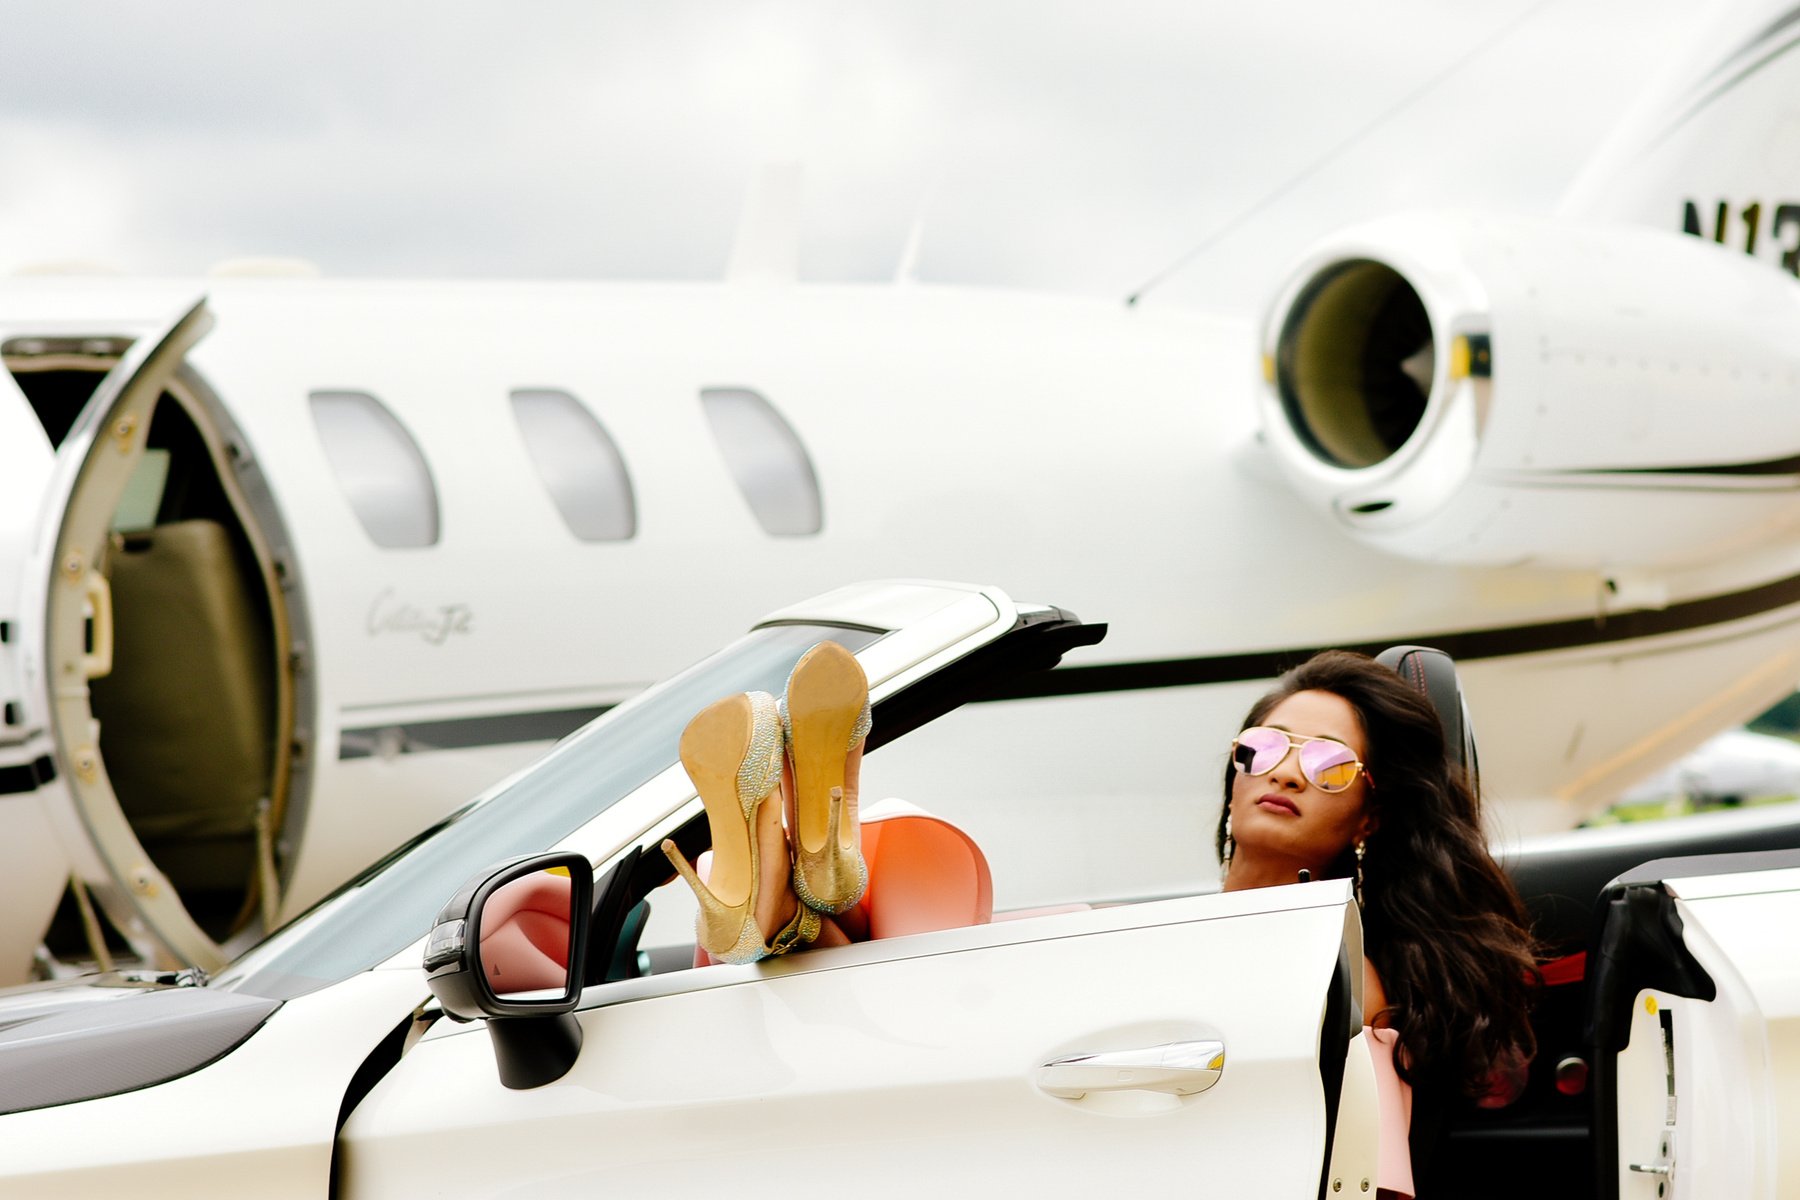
374 916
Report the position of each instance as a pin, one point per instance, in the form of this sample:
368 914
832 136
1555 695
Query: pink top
1394 1169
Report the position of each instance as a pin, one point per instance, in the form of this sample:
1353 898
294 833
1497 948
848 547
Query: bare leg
831 933
775 899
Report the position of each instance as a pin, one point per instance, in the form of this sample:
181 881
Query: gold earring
1359 858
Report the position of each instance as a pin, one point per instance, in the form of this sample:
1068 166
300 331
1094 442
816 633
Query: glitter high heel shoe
825 714
732 752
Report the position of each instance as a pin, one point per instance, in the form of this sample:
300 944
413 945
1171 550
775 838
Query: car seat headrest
924 873
1433 675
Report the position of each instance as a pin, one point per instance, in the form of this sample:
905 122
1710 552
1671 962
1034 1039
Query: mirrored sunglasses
1327 763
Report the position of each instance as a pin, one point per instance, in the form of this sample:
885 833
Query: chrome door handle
1179 1068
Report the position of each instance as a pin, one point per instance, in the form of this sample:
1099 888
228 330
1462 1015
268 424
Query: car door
1696 1021
1031 1053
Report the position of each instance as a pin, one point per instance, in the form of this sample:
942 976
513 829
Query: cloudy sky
1081 147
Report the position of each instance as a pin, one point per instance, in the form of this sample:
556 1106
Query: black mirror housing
510 947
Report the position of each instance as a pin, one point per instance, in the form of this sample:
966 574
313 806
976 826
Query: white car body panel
257 1122
1736 1085
853 1060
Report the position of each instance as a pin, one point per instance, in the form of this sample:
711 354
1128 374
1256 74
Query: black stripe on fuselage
1463 645
464 733
1772 466
27 777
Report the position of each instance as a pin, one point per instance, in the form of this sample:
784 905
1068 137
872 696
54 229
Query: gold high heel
824 715
732 752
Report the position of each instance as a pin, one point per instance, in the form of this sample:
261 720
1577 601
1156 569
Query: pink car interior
525 935
924 874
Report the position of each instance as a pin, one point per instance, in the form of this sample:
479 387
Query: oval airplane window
766 459
380 467
579 464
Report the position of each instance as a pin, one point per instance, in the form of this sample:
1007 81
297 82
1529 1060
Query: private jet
290 567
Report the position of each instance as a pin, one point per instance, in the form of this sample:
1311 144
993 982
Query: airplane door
65 640
1154 1049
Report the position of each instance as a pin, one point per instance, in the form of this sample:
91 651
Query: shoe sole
825 696
713 747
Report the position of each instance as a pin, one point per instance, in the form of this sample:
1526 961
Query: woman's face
1281 816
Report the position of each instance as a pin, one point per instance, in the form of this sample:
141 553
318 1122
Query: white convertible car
1205 1044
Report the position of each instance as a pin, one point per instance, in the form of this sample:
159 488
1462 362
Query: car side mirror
509 947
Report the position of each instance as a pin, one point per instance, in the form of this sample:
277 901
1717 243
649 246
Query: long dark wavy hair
1441 921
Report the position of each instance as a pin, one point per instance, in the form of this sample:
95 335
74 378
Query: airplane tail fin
1715 149
766 249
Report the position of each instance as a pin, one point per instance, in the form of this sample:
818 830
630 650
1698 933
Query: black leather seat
1432 674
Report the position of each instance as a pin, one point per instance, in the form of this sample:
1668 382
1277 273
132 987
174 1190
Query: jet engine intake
1462 390
1354 363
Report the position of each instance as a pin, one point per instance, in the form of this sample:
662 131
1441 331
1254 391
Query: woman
1341 772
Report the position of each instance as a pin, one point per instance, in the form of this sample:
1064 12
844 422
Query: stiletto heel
732 752
825 715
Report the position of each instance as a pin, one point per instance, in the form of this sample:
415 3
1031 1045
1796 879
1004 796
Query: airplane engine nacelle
1463 390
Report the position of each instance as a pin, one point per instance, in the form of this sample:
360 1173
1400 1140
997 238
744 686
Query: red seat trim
1570 968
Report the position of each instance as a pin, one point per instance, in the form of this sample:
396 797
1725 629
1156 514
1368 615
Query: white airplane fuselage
1103 458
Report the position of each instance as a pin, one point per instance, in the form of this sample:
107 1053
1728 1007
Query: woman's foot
775 902
777 907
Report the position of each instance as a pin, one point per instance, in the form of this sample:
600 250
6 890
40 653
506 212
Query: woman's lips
1278 804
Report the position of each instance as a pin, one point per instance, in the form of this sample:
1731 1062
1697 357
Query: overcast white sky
1078 147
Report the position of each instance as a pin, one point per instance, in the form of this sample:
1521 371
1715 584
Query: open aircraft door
61 814
1694 1021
